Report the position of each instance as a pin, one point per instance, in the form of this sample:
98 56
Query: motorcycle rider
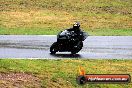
76 29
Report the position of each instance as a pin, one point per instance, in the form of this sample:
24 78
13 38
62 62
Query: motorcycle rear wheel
77 49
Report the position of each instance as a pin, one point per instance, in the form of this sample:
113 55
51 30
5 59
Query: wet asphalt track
37 47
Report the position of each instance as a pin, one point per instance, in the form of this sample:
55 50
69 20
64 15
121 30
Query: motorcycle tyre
53 48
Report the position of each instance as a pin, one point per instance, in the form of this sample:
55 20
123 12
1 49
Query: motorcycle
68 41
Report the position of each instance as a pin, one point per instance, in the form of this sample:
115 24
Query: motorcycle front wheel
53 48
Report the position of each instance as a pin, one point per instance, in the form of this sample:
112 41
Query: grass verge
98 17
55 31
62 73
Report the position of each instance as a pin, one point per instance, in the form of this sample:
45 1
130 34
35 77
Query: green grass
28 31
62 73
98 17
51 31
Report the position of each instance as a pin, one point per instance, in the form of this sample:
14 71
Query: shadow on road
66 55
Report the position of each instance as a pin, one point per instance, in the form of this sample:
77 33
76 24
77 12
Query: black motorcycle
68 41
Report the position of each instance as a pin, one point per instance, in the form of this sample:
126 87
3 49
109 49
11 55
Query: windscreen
64 32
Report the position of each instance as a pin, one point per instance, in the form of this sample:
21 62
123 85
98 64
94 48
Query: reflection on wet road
37 46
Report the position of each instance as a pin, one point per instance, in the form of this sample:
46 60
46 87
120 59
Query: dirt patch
19 80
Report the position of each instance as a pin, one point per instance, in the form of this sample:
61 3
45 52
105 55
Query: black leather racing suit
78 32
78 38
